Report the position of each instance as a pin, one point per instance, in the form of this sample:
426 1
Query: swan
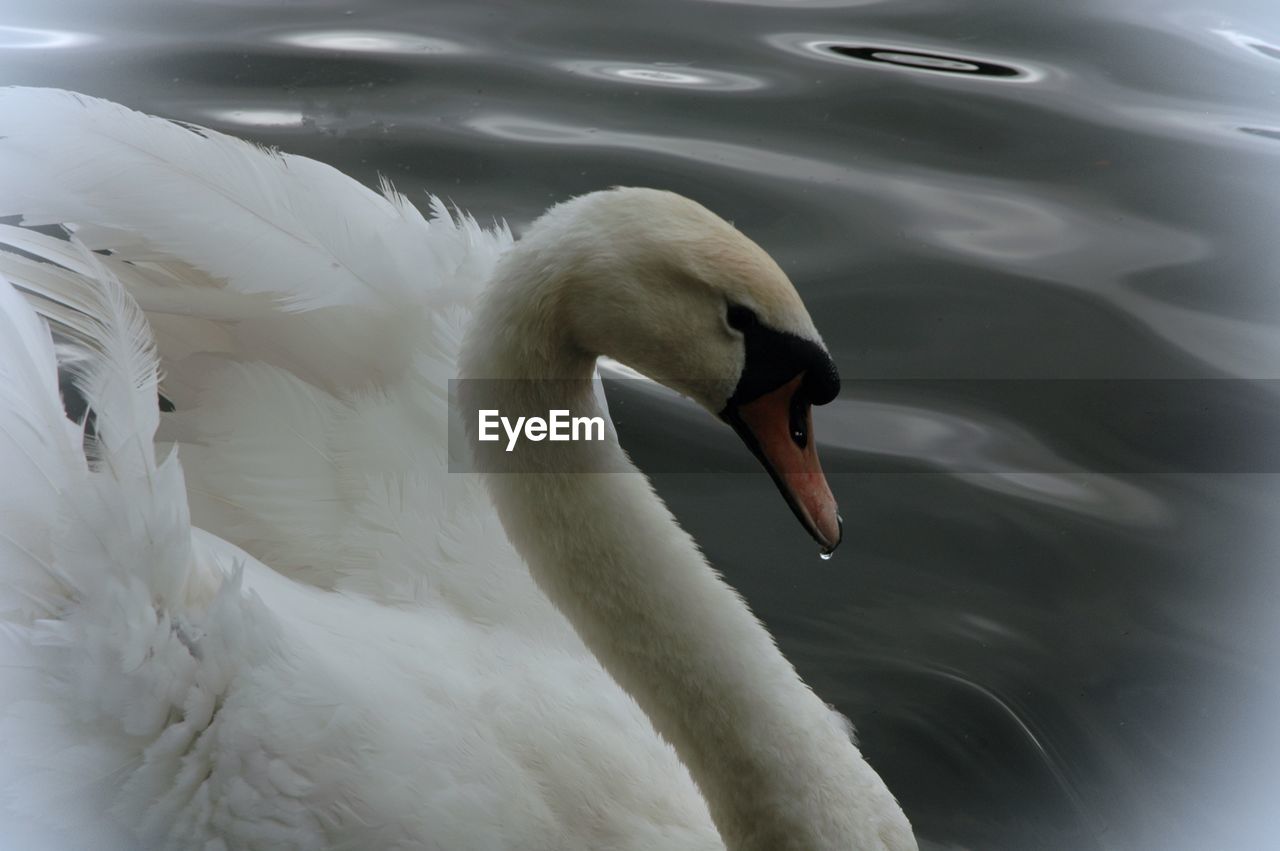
271 617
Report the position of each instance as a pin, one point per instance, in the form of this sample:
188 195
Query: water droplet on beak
826 552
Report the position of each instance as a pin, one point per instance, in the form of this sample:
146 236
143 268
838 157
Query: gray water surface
1054 617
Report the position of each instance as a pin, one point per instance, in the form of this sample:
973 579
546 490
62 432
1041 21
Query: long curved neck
775 765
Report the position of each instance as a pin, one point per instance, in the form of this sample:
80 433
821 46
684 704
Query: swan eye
799 426
740 317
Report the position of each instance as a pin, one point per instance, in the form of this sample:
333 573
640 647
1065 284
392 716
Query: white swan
298 630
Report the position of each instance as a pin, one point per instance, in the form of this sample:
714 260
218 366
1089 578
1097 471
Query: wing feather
306 234
307 325
105 600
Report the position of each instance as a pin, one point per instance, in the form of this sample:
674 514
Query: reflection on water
910 57
32 38
255 117
369 41
926 61
1249 42
1053 628
663 75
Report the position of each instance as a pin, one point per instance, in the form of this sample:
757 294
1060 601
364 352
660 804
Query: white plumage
394 677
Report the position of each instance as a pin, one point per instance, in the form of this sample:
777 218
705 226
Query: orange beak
778 428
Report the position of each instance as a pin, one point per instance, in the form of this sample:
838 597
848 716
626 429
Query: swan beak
778 428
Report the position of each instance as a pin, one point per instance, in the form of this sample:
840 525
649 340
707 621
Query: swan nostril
799 419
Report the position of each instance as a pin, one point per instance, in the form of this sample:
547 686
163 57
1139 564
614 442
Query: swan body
272 618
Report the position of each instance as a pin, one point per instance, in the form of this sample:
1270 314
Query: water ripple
924 61
1264 132
32 38
1249 42
994 223
799 4
990 453
370 41
663 75
256 117
916 58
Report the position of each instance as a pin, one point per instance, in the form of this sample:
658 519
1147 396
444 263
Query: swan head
658 282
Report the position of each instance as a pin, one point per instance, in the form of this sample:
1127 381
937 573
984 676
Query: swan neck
775 765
